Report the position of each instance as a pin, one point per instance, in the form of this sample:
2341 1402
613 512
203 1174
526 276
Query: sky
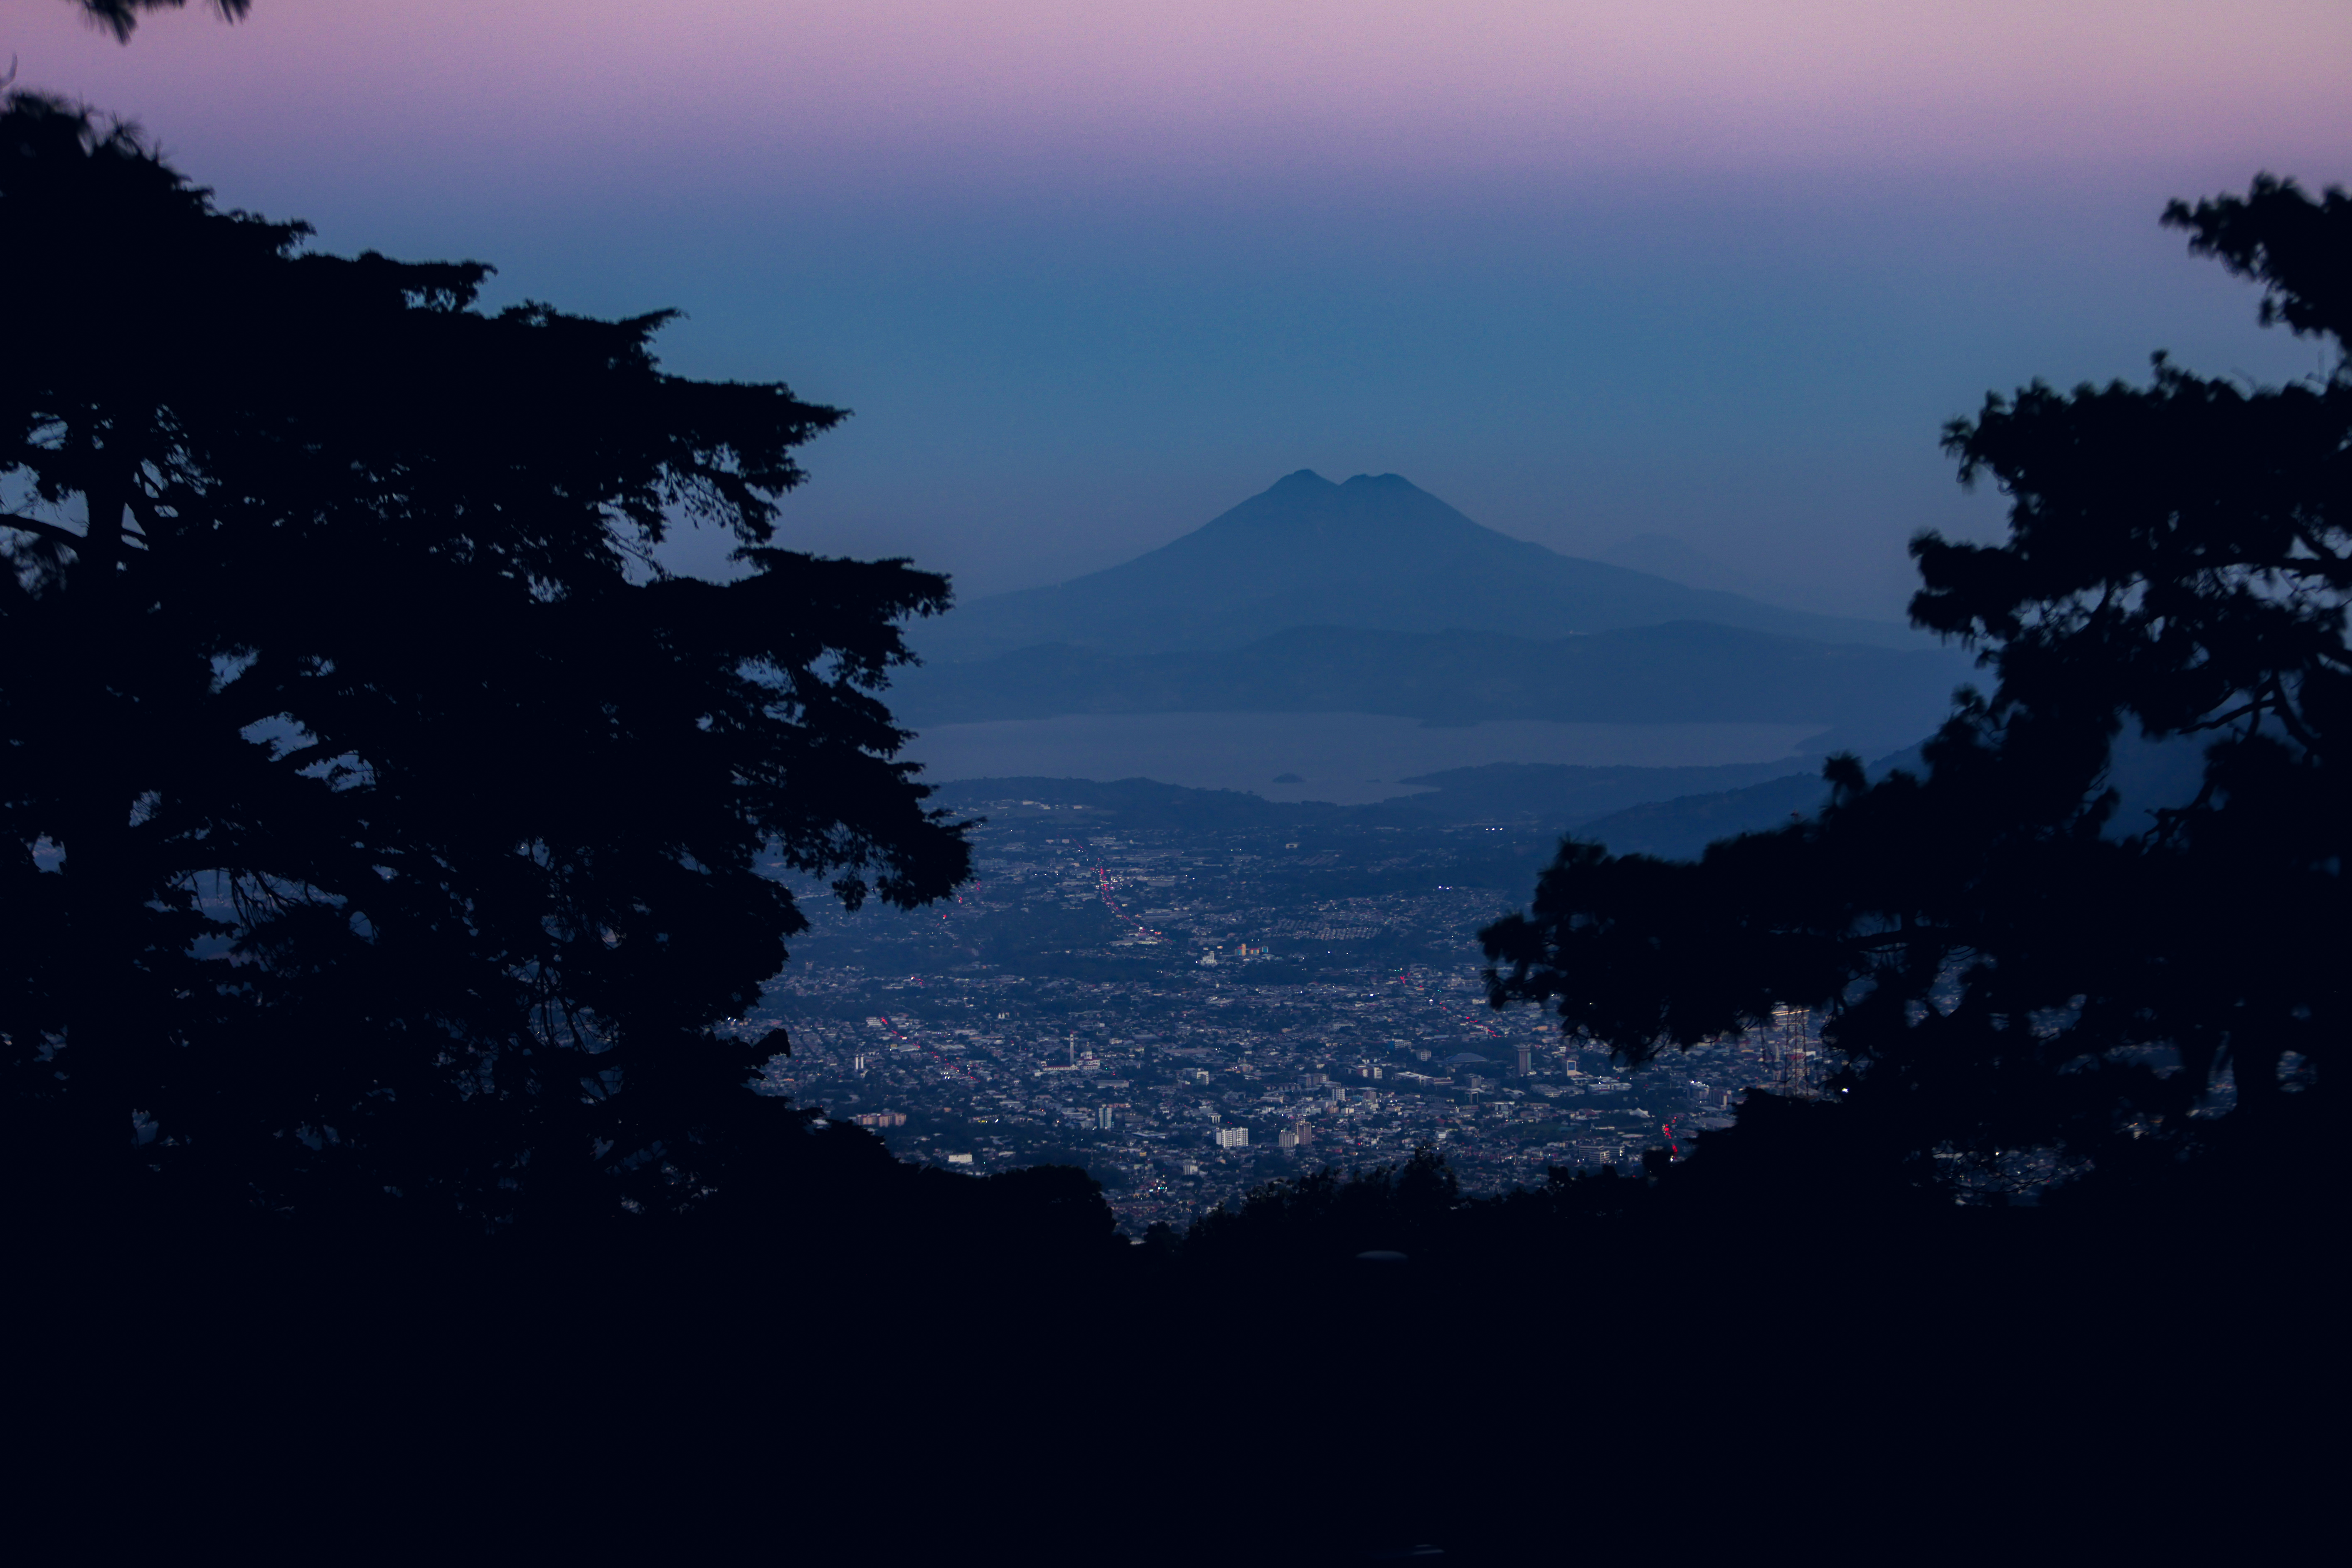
1089 273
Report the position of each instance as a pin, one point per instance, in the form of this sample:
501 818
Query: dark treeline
381 881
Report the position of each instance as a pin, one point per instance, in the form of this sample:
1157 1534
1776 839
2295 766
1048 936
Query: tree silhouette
2021 980
121 17
381 819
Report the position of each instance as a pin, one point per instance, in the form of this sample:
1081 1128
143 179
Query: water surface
1346 758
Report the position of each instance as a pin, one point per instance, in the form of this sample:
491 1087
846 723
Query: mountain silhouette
1375 554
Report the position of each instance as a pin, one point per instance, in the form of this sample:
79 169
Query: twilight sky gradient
1089 273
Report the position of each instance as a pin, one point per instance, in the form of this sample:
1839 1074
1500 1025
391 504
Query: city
1189 1007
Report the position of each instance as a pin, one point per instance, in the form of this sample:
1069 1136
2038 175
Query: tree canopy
121 17
381 819
2022 977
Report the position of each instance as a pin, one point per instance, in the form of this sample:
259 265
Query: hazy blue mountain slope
1681 828
1551 797
2146 776
1559 794
1374 552
1683 672
1672 813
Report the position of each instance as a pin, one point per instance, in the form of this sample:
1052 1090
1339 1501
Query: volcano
1375 554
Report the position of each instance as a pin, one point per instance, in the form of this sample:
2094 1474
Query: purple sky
1090 273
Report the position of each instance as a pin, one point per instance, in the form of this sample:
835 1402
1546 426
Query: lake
1346 758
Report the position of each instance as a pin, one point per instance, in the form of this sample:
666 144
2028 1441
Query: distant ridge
1375 554
1632 811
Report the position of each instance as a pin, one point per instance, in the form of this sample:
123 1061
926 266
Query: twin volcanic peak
1375 554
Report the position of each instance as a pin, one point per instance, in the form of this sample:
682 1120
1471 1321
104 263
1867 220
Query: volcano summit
1375 554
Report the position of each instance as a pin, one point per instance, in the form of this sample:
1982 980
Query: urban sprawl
1188 1011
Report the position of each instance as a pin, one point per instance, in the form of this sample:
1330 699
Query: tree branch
49 531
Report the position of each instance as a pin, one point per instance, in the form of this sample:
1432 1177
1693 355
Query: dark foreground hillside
951 1370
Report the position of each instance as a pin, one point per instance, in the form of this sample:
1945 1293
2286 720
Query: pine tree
2021 978
381 816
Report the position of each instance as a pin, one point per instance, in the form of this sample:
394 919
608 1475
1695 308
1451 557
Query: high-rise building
1103 1116
1527 1058
1231 1137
